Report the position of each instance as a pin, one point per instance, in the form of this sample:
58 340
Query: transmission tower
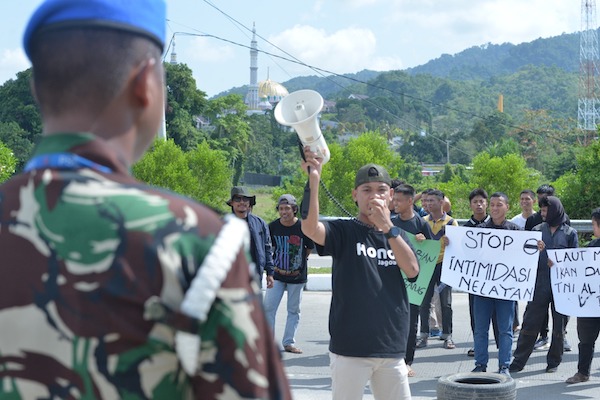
588 111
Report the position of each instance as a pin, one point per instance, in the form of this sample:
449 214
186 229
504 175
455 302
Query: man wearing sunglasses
261 250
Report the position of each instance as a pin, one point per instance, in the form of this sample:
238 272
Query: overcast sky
341 36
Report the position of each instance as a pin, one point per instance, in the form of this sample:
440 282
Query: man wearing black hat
291 249
110 288
261 250
369 314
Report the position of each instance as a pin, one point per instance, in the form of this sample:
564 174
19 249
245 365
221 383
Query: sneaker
541 344
551 370
566 345
421 342
479 368
504 370
435 333
471 353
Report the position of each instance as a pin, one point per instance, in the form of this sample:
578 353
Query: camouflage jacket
83 251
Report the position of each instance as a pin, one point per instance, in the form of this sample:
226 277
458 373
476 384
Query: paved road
309 372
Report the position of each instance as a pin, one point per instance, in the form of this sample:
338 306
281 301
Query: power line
321 71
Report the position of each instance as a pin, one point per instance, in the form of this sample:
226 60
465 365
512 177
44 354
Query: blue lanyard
67 161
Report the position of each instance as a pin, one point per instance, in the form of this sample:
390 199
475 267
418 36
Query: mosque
263 95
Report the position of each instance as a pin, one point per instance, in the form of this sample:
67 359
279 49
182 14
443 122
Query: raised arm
311 226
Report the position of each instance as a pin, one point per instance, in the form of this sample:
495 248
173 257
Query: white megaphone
300 110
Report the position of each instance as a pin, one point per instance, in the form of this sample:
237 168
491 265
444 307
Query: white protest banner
496 263
575 278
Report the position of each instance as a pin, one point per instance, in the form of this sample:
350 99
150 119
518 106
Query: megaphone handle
305 204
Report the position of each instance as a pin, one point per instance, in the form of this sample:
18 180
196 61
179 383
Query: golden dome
273 91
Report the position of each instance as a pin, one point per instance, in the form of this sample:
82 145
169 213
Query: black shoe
550 369
515 368
578 378
479 368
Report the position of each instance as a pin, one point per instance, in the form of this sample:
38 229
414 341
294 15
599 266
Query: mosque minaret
262 95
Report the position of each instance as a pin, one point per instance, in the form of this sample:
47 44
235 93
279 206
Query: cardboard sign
427 253
496 263
575 278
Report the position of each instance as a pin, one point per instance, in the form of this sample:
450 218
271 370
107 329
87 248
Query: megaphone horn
300 110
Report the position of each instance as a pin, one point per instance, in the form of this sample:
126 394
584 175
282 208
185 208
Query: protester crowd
428 222
115 289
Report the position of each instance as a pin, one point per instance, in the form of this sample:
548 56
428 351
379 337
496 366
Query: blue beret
143 17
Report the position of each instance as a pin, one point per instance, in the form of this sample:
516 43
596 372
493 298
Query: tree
547 143
508 174
202 174
20 119
18 105
578 190
184 103
213 175
232 131
489 130
166 165
15 138
273 150
8 162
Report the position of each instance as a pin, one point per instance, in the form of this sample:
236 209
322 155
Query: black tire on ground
476 386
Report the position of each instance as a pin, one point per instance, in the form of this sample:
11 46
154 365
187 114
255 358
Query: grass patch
319 270
265 205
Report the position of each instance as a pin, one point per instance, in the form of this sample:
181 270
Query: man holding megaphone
369 314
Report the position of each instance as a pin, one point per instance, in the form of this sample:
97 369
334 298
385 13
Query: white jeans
273 298
349 376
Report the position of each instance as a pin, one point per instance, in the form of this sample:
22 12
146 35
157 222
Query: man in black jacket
261 249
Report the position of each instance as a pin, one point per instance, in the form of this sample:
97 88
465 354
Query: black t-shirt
368 316
289 252
507 225
594 243
472 222
533 220
414 225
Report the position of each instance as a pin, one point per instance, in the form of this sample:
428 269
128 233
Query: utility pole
447 152
588 110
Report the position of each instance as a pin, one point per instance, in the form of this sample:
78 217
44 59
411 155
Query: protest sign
575 278
494 263
427 253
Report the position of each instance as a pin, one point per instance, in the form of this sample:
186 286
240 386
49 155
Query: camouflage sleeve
238 357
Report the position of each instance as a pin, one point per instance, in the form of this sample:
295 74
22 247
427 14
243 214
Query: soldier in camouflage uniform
110 288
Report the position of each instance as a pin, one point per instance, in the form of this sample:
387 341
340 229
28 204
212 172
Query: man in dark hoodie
588 328
556 234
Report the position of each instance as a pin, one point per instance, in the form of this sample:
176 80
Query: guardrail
580 225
